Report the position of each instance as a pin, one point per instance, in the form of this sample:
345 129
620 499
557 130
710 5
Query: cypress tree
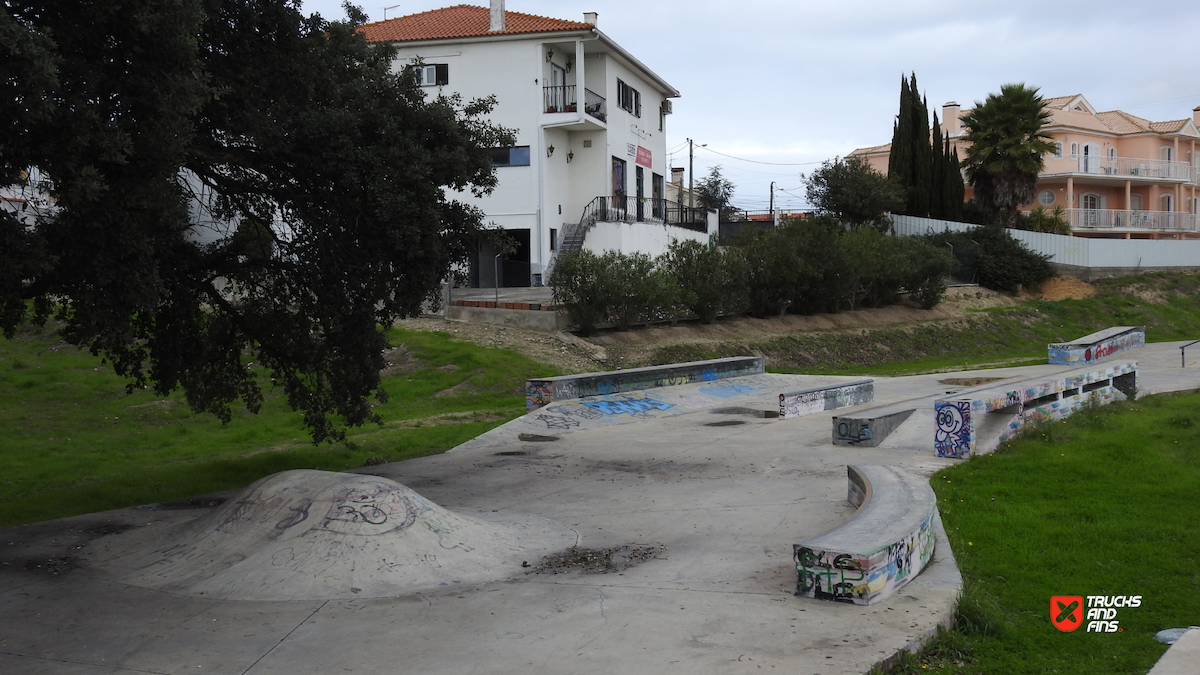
953 189
937 173
900 158
918 200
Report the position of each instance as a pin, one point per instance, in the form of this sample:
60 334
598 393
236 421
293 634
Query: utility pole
691 175
772 200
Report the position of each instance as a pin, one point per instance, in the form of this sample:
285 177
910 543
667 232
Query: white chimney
1196 116
497 16
590 17
950 112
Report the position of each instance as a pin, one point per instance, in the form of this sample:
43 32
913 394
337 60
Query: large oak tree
231 181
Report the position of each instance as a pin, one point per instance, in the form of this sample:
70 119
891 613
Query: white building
589 163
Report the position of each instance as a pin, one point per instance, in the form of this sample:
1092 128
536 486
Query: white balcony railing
1087 219
1123 167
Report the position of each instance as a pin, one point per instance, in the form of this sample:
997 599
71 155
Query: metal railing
1182 352
1124 167
1141 220
560 98
595 105
643 210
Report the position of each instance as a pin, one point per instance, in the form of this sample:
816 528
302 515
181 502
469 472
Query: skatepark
648 531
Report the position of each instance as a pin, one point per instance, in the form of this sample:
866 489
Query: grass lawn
75 442
1103 503
1167 304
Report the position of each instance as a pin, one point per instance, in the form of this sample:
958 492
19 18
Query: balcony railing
560 98
595 105
1124 167
1088 219
643 210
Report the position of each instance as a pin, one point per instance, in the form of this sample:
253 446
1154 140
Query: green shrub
777 276
927 269
580 285
641 290
711 279
995 259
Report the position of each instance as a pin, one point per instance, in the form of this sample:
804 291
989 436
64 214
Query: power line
755 161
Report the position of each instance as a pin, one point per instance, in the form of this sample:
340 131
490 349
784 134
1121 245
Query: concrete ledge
1181 658
830 397
978 422
1098 345
870 427
883 547
549 322
543 391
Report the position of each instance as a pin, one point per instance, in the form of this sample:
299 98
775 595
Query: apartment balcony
562 99
644 210
1123 168
1102 219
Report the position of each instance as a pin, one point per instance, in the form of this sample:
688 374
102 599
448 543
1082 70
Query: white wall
1077 251
515 71
638 237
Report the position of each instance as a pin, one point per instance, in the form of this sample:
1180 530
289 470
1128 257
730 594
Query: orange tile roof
1122 122
1169 126
461 21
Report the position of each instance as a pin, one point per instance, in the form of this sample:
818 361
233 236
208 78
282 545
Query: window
432 75
1112 154
1058 151
515 156
629 98
1046 197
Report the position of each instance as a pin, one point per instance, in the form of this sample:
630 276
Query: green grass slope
73 441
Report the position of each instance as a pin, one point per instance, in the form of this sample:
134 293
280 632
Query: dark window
432 74
517 156
553 239
629 98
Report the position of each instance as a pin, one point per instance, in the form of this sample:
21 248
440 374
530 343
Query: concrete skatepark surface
710 492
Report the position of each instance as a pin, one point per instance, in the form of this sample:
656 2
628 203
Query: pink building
1115 174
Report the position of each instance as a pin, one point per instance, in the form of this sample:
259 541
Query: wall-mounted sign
631 149
643 157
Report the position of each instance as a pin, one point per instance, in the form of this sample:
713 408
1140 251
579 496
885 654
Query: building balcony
1124 168
1100 219
562 99
644 210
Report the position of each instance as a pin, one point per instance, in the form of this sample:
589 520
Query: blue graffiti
727 390
630 406
709 375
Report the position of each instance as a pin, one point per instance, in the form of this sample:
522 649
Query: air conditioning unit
666 107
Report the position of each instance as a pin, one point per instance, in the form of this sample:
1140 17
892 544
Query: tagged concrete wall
884 546
820 399
544 391
1096 346
968 426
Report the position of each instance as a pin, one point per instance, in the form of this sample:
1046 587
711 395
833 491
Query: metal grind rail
1182 357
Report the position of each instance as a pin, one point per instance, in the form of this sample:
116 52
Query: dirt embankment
627 349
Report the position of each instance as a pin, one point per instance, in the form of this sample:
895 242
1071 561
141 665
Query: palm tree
1007 144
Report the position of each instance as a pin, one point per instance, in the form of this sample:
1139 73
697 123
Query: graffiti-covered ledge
884 546
543 391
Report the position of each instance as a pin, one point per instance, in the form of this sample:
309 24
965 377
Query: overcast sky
796 82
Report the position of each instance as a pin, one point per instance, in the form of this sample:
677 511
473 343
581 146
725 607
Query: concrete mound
322 535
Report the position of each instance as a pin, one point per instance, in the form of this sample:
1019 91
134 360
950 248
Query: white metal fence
1077 251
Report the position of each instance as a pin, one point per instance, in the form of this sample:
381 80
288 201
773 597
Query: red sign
1066 612
643 157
